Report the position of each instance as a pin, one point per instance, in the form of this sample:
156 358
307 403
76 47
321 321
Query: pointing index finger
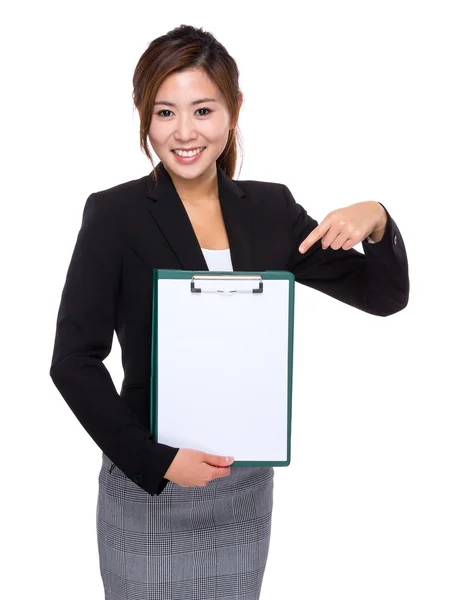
314 236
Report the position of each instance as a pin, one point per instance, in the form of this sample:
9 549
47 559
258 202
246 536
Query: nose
185 130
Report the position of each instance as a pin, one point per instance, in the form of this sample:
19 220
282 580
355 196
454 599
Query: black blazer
132 228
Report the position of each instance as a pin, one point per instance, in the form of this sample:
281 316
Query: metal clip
197 290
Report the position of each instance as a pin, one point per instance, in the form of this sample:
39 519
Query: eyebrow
191 103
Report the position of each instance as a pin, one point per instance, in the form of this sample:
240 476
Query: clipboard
221 363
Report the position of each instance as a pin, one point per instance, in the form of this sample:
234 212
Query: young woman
177 522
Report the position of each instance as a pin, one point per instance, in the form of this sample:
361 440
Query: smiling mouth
190 155
194 153
188 149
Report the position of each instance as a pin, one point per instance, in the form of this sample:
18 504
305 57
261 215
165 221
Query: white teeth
189 152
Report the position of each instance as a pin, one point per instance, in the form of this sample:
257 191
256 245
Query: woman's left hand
346 227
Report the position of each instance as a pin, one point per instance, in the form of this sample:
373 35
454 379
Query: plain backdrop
343 102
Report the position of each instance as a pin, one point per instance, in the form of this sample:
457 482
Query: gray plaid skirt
195 543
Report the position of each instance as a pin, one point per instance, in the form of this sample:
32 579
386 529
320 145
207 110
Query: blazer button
395 239
138 477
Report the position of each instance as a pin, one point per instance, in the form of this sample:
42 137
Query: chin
191 171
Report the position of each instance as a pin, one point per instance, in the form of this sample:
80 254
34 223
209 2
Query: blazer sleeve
376 282
86 322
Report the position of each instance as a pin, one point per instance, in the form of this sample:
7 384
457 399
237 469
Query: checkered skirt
195 543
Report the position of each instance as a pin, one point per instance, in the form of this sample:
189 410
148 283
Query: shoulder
253 186
116 202
122 192
264 193
273 199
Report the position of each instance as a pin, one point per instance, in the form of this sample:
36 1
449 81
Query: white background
343 102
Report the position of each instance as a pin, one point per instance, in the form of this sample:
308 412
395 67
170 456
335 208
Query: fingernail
302 249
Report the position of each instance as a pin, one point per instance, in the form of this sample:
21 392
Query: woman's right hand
196 468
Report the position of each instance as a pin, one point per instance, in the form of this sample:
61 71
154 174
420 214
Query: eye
169 111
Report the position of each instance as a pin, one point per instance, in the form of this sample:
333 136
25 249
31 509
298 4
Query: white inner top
218 260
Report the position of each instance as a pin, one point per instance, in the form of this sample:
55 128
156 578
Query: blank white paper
223 368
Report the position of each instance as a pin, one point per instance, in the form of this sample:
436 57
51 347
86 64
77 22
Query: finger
314 235
223 472
218 461
349 244
334 231
339 241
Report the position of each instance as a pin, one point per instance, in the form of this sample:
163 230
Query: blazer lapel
167 209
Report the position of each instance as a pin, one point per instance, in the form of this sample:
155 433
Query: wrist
382 221
379 230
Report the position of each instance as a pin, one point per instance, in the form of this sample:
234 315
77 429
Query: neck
201 191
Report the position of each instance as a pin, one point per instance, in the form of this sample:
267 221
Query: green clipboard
197 317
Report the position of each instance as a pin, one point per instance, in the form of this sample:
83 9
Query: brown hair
182 48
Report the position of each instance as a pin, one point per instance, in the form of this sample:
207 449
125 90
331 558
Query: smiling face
182 120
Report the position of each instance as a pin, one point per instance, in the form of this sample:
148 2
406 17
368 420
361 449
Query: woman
177 522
